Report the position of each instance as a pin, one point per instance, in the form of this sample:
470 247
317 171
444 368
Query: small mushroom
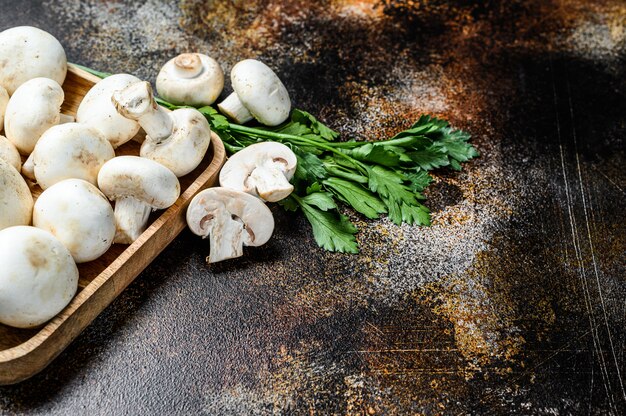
97 110
4 100
138 186
28 52
262 169
70 150
9 153
190 79
176 139
33 108
231 219
15 197
79 216
258 93
38 279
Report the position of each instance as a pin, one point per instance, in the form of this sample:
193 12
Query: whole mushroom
138 186
176 139
190 79
262 169
15 197
9 153
230 219
96 110
38 279
258 93
79 216
29 52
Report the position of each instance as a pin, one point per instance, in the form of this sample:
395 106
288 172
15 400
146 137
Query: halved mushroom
258 93
262 169
9 153
190 79
33 108
79 216
4 100
70 150
38 279
138 186
28 52
97 110
15 197
178 139
231 219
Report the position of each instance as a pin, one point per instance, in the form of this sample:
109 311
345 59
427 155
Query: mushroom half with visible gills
138 186
67 151
79 216
32 109
262 169
177 139
230 219
190 79
258 93
29 53
38 279
15 197
97 110
9 153
4 100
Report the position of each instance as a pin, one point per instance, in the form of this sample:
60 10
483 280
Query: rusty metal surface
512 302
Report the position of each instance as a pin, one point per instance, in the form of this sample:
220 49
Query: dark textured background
513 301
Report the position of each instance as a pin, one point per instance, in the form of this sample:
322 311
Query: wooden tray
24 353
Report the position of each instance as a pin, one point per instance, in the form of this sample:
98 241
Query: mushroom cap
183 151
190 79
31 53
34 107
70 150
15 197
4 100
79 216
38 279
266 159
140 178
9 153
212 203
97 110
261 91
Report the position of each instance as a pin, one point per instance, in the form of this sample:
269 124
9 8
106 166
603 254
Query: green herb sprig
372 177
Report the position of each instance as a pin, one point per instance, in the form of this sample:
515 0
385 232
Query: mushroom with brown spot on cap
190 79
230 219
15 197
177 139
258 93
138 186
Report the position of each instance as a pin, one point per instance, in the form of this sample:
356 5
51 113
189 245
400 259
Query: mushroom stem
234 108
225 239
28 168
271 183
187 65
136 102
131 217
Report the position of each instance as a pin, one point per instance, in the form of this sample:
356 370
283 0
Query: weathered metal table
513 301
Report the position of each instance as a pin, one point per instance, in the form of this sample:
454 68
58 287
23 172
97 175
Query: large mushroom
15 197
28 52
190 79
97 110
38 279
262 169
138 186
230 219
79 216
176 139
258 93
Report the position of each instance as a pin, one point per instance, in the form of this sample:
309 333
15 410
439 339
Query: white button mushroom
16 201
231 219
178 139
138 186
66 151
262 169
38 279
79 216
26 53
258 93
97 110
9 153
4 100
190 79
33 108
